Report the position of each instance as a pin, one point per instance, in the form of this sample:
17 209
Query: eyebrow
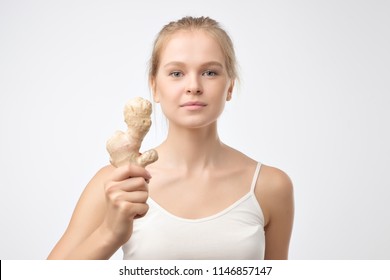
206 64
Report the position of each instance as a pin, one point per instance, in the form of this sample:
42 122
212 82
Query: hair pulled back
188 23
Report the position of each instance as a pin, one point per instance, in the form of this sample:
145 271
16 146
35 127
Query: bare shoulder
95 185
103 172
93 194
271 179
93 197
274 180
274 191
87 215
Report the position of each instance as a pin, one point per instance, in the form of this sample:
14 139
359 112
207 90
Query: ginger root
123 147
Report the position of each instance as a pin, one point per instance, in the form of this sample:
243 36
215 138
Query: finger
133 184
130 170
140 210
133 197
127 185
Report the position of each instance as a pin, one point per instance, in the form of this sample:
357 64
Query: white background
314 101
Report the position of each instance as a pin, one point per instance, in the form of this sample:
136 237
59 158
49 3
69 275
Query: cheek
223 89
159 90
166 90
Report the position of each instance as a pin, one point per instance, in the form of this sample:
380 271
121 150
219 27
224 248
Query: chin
194 122
197 124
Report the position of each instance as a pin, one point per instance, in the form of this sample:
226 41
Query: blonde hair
206 24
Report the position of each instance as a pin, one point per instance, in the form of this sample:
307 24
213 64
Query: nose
194 86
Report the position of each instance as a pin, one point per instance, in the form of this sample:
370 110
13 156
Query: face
192 84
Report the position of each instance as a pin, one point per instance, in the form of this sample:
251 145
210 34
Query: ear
230 91
154 90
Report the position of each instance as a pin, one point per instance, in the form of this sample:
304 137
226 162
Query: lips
193 103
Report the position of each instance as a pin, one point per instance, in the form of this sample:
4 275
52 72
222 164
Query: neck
191 149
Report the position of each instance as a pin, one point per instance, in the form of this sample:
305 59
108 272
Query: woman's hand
103 218
126 193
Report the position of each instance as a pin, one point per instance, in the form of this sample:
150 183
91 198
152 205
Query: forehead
190 47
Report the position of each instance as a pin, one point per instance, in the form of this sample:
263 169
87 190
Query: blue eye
210 73
176 74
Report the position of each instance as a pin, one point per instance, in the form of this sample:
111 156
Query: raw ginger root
124 147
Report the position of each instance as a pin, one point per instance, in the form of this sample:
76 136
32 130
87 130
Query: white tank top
236 232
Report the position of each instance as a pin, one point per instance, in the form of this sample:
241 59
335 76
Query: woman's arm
277 201
102 219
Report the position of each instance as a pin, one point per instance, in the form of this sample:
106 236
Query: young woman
203 199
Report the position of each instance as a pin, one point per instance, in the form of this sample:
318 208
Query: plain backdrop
314 101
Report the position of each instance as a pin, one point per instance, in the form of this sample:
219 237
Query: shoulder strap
255 176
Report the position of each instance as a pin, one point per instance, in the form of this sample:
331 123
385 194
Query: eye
209 73
176 74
